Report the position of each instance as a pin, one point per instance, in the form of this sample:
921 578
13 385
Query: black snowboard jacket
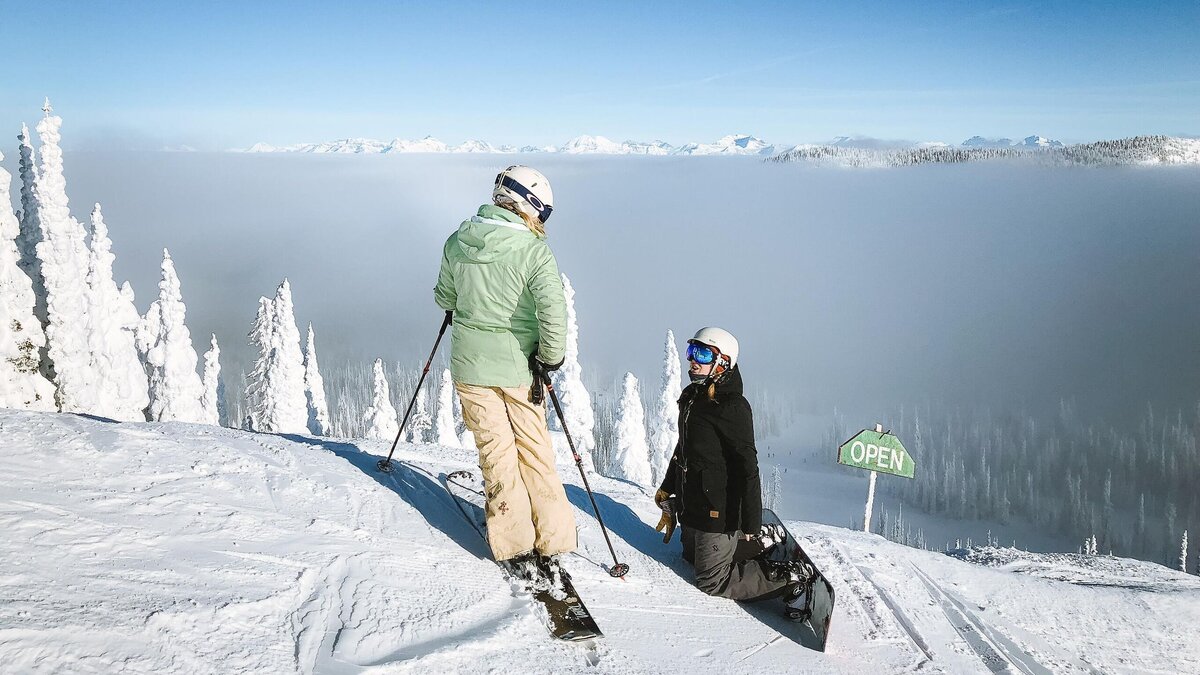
714 470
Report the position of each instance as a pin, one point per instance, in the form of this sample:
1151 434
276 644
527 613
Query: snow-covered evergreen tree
420 422
167 353
568 382
632 460
445 430
22 384
261 337
121 391
210 397
381 417
664 425
275 387
1183 552
63 255
314 389
30 232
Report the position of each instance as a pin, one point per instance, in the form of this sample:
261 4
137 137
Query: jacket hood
492 233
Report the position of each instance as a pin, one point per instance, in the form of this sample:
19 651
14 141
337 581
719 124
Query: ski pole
619 569
385 465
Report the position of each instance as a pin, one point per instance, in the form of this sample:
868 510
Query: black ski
820 593
568 618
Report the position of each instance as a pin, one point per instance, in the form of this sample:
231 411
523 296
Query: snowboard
567 617
820 593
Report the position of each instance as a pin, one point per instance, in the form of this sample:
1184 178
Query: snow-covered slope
193 549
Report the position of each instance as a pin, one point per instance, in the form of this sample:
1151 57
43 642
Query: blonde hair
532 223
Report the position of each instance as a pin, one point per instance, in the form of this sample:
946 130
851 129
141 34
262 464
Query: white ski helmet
720 338
527 189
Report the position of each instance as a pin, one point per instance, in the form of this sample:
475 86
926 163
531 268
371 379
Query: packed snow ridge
170 547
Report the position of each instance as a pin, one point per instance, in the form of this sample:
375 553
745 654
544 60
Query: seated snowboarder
712 486
501 281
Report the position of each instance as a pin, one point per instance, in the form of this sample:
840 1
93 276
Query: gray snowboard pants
718 573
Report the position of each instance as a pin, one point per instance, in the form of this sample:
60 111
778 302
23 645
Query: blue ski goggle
700 353
542 209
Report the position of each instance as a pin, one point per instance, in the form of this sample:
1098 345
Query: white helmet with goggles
527 190
713 338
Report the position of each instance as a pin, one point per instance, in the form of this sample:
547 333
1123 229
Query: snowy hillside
170 547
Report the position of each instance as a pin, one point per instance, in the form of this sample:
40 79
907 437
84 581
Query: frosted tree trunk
122 390
63 256
445 430
168 355
275 387
664 426
210 399
632 460
568 382
314 389
22 384
381 417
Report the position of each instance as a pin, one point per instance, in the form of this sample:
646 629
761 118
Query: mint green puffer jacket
502 283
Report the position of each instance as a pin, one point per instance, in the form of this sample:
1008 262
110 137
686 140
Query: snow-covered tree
167 353
210 396
381 417
257 394
1183 552
664 425
568 382
121 390
632 460
30 232
314 389
275 387
466 438
63 255
420 422
445 429
772 490
22 384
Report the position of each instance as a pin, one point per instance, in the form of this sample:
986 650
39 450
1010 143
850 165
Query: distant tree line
1135 492
1135 150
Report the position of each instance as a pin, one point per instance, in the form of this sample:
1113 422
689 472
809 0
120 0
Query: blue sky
222 74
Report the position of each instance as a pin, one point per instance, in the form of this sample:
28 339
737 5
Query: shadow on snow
414 485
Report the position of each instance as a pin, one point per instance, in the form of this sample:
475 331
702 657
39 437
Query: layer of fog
995 285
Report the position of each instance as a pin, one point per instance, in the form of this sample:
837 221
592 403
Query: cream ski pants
527 507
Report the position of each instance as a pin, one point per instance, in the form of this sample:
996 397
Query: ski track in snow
180 548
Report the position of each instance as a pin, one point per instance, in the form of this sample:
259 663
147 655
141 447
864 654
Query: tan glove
667 523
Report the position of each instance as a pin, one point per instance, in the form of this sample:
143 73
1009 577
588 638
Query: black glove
541 374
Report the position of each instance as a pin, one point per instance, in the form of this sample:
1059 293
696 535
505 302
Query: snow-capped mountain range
1030 142
843 150
734 144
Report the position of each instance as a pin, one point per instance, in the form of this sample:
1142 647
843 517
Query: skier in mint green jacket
499 278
